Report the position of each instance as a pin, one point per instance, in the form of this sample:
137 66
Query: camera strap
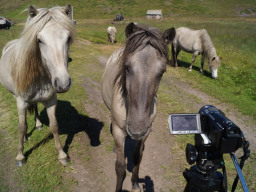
242 161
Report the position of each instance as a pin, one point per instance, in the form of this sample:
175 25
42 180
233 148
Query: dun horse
34 67
129 86
196 42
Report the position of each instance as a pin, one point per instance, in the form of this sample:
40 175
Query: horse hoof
136 190
189 70
20 163
65 161
39 127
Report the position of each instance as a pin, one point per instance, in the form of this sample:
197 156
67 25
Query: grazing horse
34 68
196 42
129 86
112 34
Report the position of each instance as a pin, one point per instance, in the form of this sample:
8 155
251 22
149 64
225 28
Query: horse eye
161 74
127 69
39 41
69 38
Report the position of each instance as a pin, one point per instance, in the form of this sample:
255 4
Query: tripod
203 182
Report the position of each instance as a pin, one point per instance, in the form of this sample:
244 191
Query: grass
134 8
233 38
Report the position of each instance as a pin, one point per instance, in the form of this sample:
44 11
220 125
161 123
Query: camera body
215 135
225 136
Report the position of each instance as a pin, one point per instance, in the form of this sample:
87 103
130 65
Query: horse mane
207 44
142 37
27 64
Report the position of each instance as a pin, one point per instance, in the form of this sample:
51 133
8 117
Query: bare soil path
162 163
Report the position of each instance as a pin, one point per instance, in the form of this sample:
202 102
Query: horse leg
39 125
173 56
193 60
109 38
22 127
51 110
202 64
137 156
175 52
120 165
176 57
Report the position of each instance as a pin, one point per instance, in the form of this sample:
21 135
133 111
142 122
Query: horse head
214 64
144 61
53 41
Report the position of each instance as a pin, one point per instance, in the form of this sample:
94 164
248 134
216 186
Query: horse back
188 39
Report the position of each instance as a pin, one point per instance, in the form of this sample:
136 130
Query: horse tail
32 108
172 63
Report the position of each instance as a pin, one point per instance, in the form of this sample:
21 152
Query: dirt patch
103 60
83 41
162 161
8 181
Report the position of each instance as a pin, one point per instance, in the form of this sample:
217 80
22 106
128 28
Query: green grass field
233 37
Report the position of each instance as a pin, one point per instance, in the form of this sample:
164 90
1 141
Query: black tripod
204 177
203 182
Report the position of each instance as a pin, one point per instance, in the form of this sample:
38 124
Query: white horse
196 42
34 67
111 34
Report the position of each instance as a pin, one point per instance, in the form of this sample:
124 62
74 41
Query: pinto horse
129 86
34 68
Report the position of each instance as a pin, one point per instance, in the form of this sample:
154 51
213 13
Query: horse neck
211 53
208 46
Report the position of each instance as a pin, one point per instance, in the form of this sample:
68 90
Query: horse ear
32 11
67 9
169 34
130 29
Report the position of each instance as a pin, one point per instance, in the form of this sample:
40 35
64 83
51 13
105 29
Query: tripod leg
186 188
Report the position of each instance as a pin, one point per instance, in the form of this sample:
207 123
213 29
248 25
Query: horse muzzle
62 87
137 135
214 73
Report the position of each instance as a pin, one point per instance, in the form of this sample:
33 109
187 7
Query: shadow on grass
70 123
196 68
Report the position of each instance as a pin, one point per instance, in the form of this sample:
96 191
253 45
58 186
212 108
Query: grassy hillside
85 9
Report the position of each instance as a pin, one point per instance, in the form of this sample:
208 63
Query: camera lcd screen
188 123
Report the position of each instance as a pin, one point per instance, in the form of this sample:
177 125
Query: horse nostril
69 82
56 80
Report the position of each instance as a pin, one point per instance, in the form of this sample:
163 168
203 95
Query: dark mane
142 37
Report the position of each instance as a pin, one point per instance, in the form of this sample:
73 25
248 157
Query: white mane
208 46
26 58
